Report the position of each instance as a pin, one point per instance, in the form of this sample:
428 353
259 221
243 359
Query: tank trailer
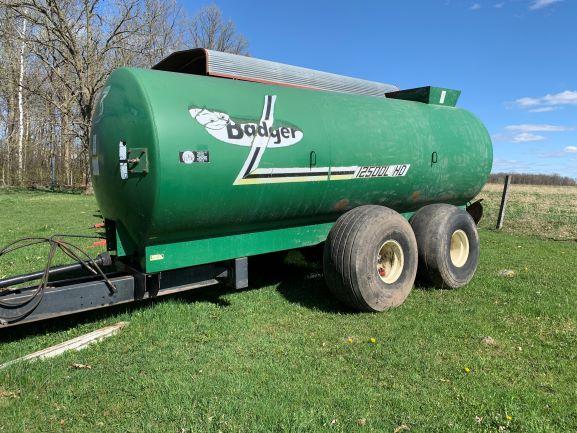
209 158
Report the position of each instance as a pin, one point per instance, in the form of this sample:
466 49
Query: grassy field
284 356
544 211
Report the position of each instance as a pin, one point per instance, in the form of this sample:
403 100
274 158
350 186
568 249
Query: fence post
504 199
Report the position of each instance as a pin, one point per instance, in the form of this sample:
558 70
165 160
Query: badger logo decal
262 135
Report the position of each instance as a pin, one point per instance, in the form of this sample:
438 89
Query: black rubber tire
434 226
351 254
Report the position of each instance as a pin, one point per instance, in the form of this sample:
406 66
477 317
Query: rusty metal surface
215 63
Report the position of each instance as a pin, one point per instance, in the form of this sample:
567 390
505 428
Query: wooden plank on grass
77 343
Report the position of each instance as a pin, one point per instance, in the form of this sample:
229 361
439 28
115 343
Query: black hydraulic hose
21 309
19 279
101 260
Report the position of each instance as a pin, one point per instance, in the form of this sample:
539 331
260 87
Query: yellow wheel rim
459 248
390 261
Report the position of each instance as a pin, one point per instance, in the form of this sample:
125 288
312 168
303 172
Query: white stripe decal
259 144
443 95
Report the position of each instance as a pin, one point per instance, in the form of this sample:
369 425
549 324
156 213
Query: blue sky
514 60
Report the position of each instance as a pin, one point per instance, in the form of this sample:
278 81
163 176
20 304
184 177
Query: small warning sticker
193 156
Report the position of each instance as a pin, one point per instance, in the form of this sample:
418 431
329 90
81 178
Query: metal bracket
137 160
238 273
132 161
312 159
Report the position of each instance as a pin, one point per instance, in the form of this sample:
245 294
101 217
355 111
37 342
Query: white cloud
522 137
548 102
542 109
475 7
527 136
538 128
540 4
570 149
527 102
498 5
525 132
563 98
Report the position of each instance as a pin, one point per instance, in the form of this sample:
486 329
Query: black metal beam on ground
66 299
61 298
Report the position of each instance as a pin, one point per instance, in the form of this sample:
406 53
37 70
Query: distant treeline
533 179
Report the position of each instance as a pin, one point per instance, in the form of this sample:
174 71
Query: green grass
545 211
277 357
40 214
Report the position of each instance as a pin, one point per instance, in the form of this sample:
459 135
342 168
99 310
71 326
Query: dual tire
372 255
448 245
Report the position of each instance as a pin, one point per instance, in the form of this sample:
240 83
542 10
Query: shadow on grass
209 294
312 292
425 285
299 282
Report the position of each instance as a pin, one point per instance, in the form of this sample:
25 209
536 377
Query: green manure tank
209 159
210 156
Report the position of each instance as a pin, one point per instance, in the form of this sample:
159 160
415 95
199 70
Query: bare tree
21 104
534 179
78 43
209 30
57 55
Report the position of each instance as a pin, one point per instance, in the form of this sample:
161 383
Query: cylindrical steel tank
181 157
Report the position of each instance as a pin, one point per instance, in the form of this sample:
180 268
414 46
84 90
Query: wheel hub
459 248
390 261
